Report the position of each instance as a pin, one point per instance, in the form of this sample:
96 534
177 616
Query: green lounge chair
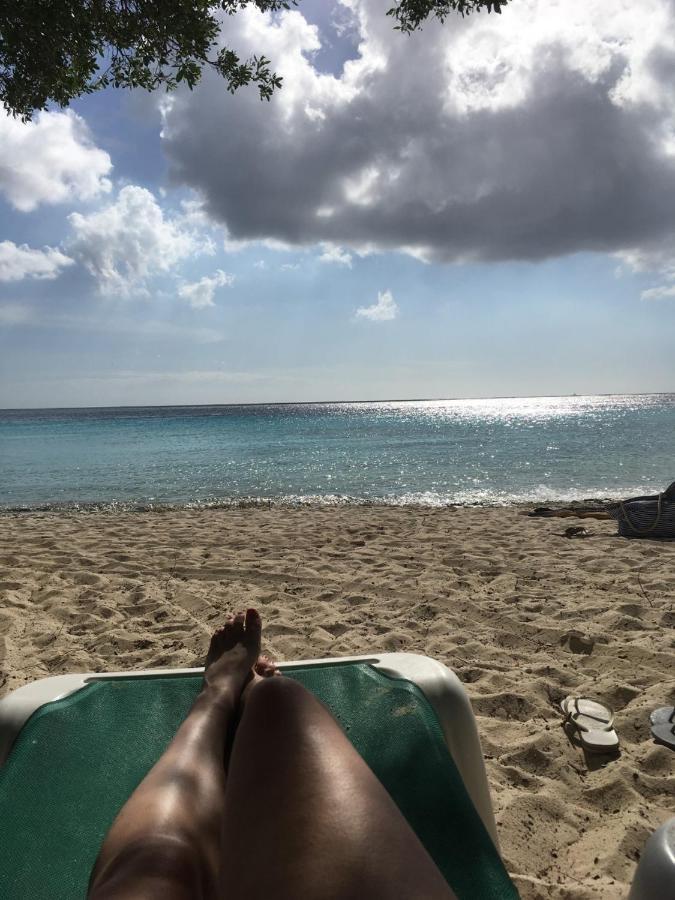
73 747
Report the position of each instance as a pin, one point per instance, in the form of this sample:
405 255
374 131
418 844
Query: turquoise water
433 452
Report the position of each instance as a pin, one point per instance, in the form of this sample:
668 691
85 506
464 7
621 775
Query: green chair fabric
78 759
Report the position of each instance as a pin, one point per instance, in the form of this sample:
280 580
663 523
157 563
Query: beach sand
523 614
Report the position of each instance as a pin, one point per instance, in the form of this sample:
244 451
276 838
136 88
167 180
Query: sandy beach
522 613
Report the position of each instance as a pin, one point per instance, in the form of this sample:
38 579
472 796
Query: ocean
428 452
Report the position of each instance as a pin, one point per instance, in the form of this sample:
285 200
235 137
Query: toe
218 643
253 629
237 626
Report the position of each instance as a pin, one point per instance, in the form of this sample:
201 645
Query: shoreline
523 614
337 502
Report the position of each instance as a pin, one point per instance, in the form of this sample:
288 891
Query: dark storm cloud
414 158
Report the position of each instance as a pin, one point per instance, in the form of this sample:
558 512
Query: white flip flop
594 723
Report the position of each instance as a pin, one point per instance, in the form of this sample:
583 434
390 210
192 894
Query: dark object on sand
651 516
576 531
663 725
570 512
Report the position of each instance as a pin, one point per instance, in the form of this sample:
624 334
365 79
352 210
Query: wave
425 499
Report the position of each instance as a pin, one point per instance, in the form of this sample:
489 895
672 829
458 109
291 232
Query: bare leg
305 817
166 841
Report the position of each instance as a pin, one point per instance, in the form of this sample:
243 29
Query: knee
277 696
161 863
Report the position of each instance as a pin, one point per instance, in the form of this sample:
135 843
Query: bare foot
263 669
233 653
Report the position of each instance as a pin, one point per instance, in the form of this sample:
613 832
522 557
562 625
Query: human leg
302 814
305 816
166 840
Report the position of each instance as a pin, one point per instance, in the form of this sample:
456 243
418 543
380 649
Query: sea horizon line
327 402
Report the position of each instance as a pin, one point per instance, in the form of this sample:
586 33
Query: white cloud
234 246
127 242
199 294
334 254
545 131
50 160
193 211
655 256
290 267
383 311
659 293
658 258
19 262
260 264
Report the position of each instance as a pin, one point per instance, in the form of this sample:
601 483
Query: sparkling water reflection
431 452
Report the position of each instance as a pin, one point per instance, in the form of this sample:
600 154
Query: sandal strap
578 712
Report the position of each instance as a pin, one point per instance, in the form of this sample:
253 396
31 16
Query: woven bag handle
649 527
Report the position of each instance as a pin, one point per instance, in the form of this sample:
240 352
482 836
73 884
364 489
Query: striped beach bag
647 517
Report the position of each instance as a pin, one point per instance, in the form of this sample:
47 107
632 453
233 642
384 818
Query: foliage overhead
411 14
52 51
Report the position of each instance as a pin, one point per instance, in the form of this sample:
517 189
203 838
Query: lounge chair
73 747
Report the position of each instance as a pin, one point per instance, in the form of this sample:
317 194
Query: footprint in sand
532 759
520 779
87 578
337 629
471 675
630 609
504 706
612 796
620 696
275 629
577 642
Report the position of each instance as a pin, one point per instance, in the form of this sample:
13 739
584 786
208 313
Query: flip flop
663 725
594 723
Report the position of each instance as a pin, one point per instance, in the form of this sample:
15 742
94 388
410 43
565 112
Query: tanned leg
302 816
166 841
306 818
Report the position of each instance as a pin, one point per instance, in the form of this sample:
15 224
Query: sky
483 208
